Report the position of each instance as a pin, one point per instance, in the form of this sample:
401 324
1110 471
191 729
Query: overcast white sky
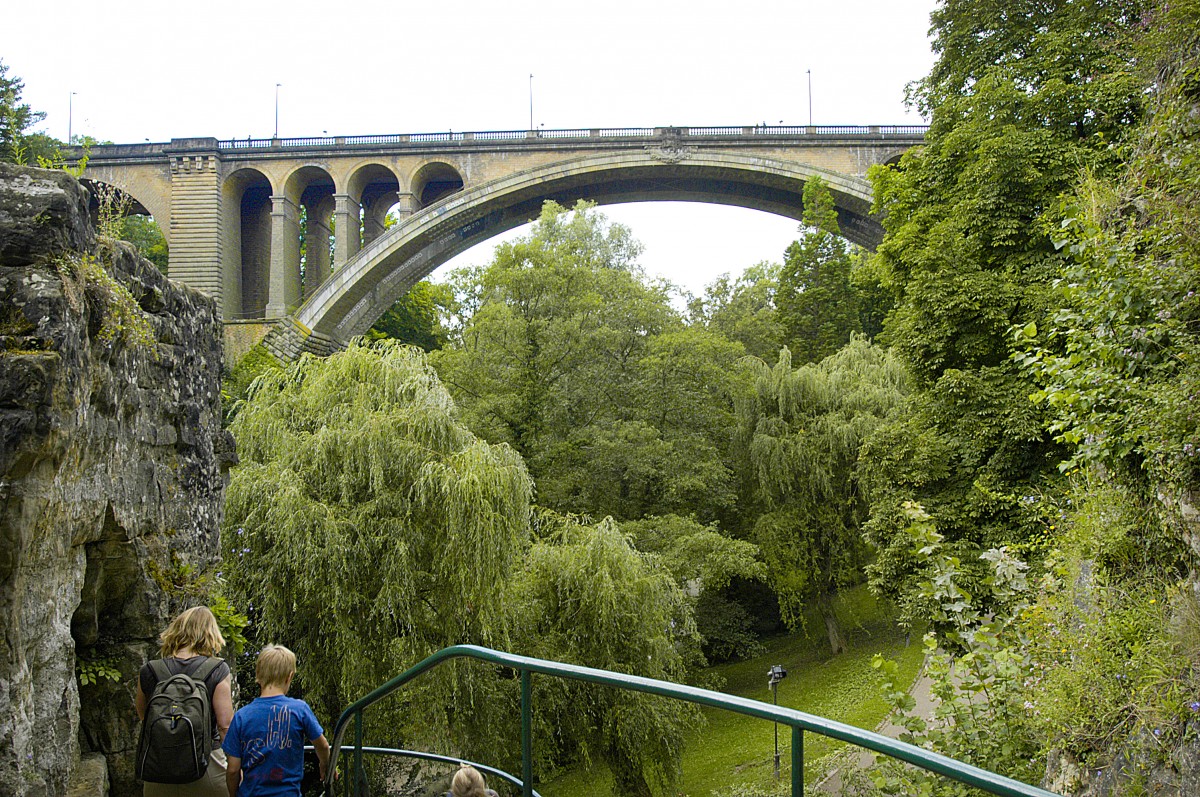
161 70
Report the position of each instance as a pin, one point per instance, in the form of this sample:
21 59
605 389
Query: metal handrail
800 131
798 721
445 759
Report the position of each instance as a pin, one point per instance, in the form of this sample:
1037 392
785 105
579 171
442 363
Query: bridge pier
376 204
346 219
318 205
284 295
408 205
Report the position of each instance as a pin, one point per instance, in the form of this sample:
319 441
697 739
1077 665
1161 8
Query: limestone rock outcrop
112 470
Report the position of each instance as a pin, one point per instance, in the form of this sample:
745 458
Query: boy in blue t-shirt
265 741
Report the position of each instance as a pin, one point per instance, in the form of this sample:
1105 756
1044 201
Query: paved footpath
859 758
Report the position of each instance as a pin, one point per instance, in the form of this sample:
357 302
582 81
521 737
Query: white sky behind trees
161 70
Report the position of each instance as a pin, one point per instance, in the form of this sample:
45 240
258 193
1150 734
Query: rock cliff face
112 468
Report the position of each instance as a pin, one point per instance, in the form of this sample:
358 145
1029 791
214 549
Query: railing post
797 762
526 736
359 778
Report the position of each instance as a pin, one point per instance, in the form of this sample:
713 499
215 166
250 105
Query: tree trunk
837 642
630 780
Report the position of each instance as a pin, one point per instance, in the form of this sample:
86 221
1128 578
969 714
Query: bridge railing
798 721
786 131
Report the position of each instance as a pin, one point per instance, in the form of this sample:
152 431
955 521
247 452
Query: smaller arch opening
434 182
115 213
253 241
311 189
378 199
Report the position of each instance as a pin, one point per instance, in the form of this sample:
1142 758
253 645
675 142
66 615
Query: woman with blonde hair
468 782
186 646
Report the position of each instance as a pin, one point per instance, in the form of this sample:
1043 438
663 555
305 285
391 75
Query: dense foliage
818 305
366 528
144 233
16 117
416 317
1089 674
1021 97
354 472
742 309
567 354
801 430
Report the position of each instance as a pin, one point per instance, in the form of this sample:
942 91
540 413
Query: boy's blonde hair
195 629
275 665
467 782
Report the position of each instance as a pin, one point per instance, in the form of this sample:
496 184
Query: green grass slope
732 750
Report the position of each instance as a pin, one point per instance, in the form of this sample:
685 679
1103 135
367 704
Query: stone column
376 210
408 205
346 235
284 293
317 257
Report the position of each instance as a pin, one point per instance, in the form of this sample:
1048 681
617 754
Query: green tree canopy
801 430
1117 359
1022 96
16 118
742 309
418 316
144 233
366 528
588 597
359 504
818 306
566 353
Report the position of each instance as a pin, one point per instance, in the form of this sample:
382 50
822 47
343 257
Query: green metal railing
798 721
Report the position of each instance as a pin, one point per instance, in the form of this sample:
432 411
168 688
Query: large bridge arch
182 184
358 293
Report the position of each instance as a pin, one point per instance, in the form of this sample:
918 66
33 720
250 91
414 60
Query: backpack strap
161 671
206 669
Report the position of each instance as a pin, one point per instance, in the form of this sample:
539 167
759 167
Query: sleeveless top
148 679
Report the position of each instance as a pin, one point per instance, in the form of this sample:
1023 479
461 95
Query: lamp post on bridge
70 115
530 100
809 97
277 85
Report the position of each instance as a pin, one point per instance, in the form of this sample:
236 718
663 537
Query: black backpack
177 730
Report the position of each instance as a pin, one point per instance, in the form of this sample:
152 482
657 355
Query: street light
70 115
277 85
809 98
774 676
530 100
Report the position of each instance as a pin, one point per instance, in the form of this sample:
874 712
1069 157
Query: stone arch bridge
290 232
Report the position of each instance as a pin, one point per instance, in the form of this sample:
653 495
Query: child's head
467 782
276 666
196 630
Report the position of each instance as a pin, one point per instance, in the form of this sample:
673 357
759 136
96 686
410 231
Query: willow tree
365 526
587 596
802 429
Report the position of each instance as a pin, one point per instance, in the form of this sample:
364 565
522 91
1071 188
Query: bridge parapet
754 132
235 210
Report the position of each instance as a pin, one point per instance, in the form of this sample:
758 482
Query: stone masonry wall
112 471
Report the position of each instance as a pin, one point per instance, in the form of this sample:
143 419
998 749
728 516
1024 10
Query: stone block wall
112 470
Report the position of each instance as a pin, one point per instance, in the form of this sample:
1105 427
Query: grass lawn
733 749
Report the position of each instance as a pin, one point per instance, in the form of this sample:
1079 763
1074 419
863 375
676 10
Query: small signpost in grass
774 676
